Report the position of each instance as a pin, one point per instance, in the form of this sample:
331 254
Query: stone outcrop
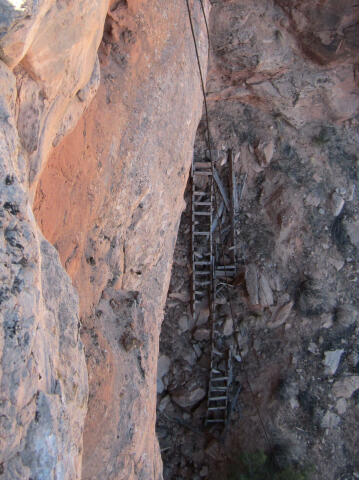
45 60
110 200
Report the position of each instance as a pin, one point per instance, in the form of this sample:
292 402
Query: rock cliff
48 59
108 200
108 197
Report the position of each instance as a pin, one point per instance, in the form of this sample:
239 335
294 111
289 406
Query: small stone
326 321
338 264
331 361
201 334
251 278
190 357
163 366
330 420
183 323
346 315
160 386
204 471
294 403
337 204
280 315
186 399
312 200
164 403
203 316
321 211
313 348
345 387
228 327
341 406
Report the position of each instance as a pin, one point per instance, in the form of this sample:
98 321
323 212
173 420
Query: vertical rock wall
110 200
48 75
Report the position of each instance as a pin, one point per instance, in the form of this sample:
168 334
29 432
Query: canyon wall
47 59
108 197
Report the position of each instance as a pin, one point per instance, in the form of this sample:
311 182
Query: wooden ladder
202 213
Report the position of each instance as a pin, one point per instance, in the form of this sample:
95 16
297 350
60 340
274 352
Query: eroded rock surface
110 200
46 58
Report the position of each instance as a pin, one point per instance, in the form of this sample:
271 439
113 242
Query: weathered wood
218 216
221 188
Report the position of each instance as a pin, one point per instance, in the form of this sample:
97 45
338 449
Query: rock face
110 200
45 60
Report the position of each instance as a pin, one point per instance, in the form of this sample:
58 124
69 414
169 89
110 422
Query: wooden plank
234 203
221 188
218 216
202 164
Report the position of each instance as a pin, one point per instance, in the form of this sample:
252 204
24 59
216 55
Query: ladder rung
201 263
217 399
204 214
222 273
203 284
202 164
207 204
201 255
200 172
205 272
201 233
199 193
218 389
217 408
225 267
218 379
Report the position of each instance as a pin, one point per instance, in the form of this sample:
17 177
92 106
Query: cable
219 223
205 21
201 76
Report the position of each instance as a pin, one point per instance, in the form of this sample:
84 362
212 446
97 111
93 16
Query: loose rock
280 315
201 334
187 399
228 327
337 204
331 361
251 277
330 420
345 387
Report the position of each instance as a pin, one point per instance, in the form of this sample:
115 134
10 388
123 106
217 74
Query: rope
219 223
